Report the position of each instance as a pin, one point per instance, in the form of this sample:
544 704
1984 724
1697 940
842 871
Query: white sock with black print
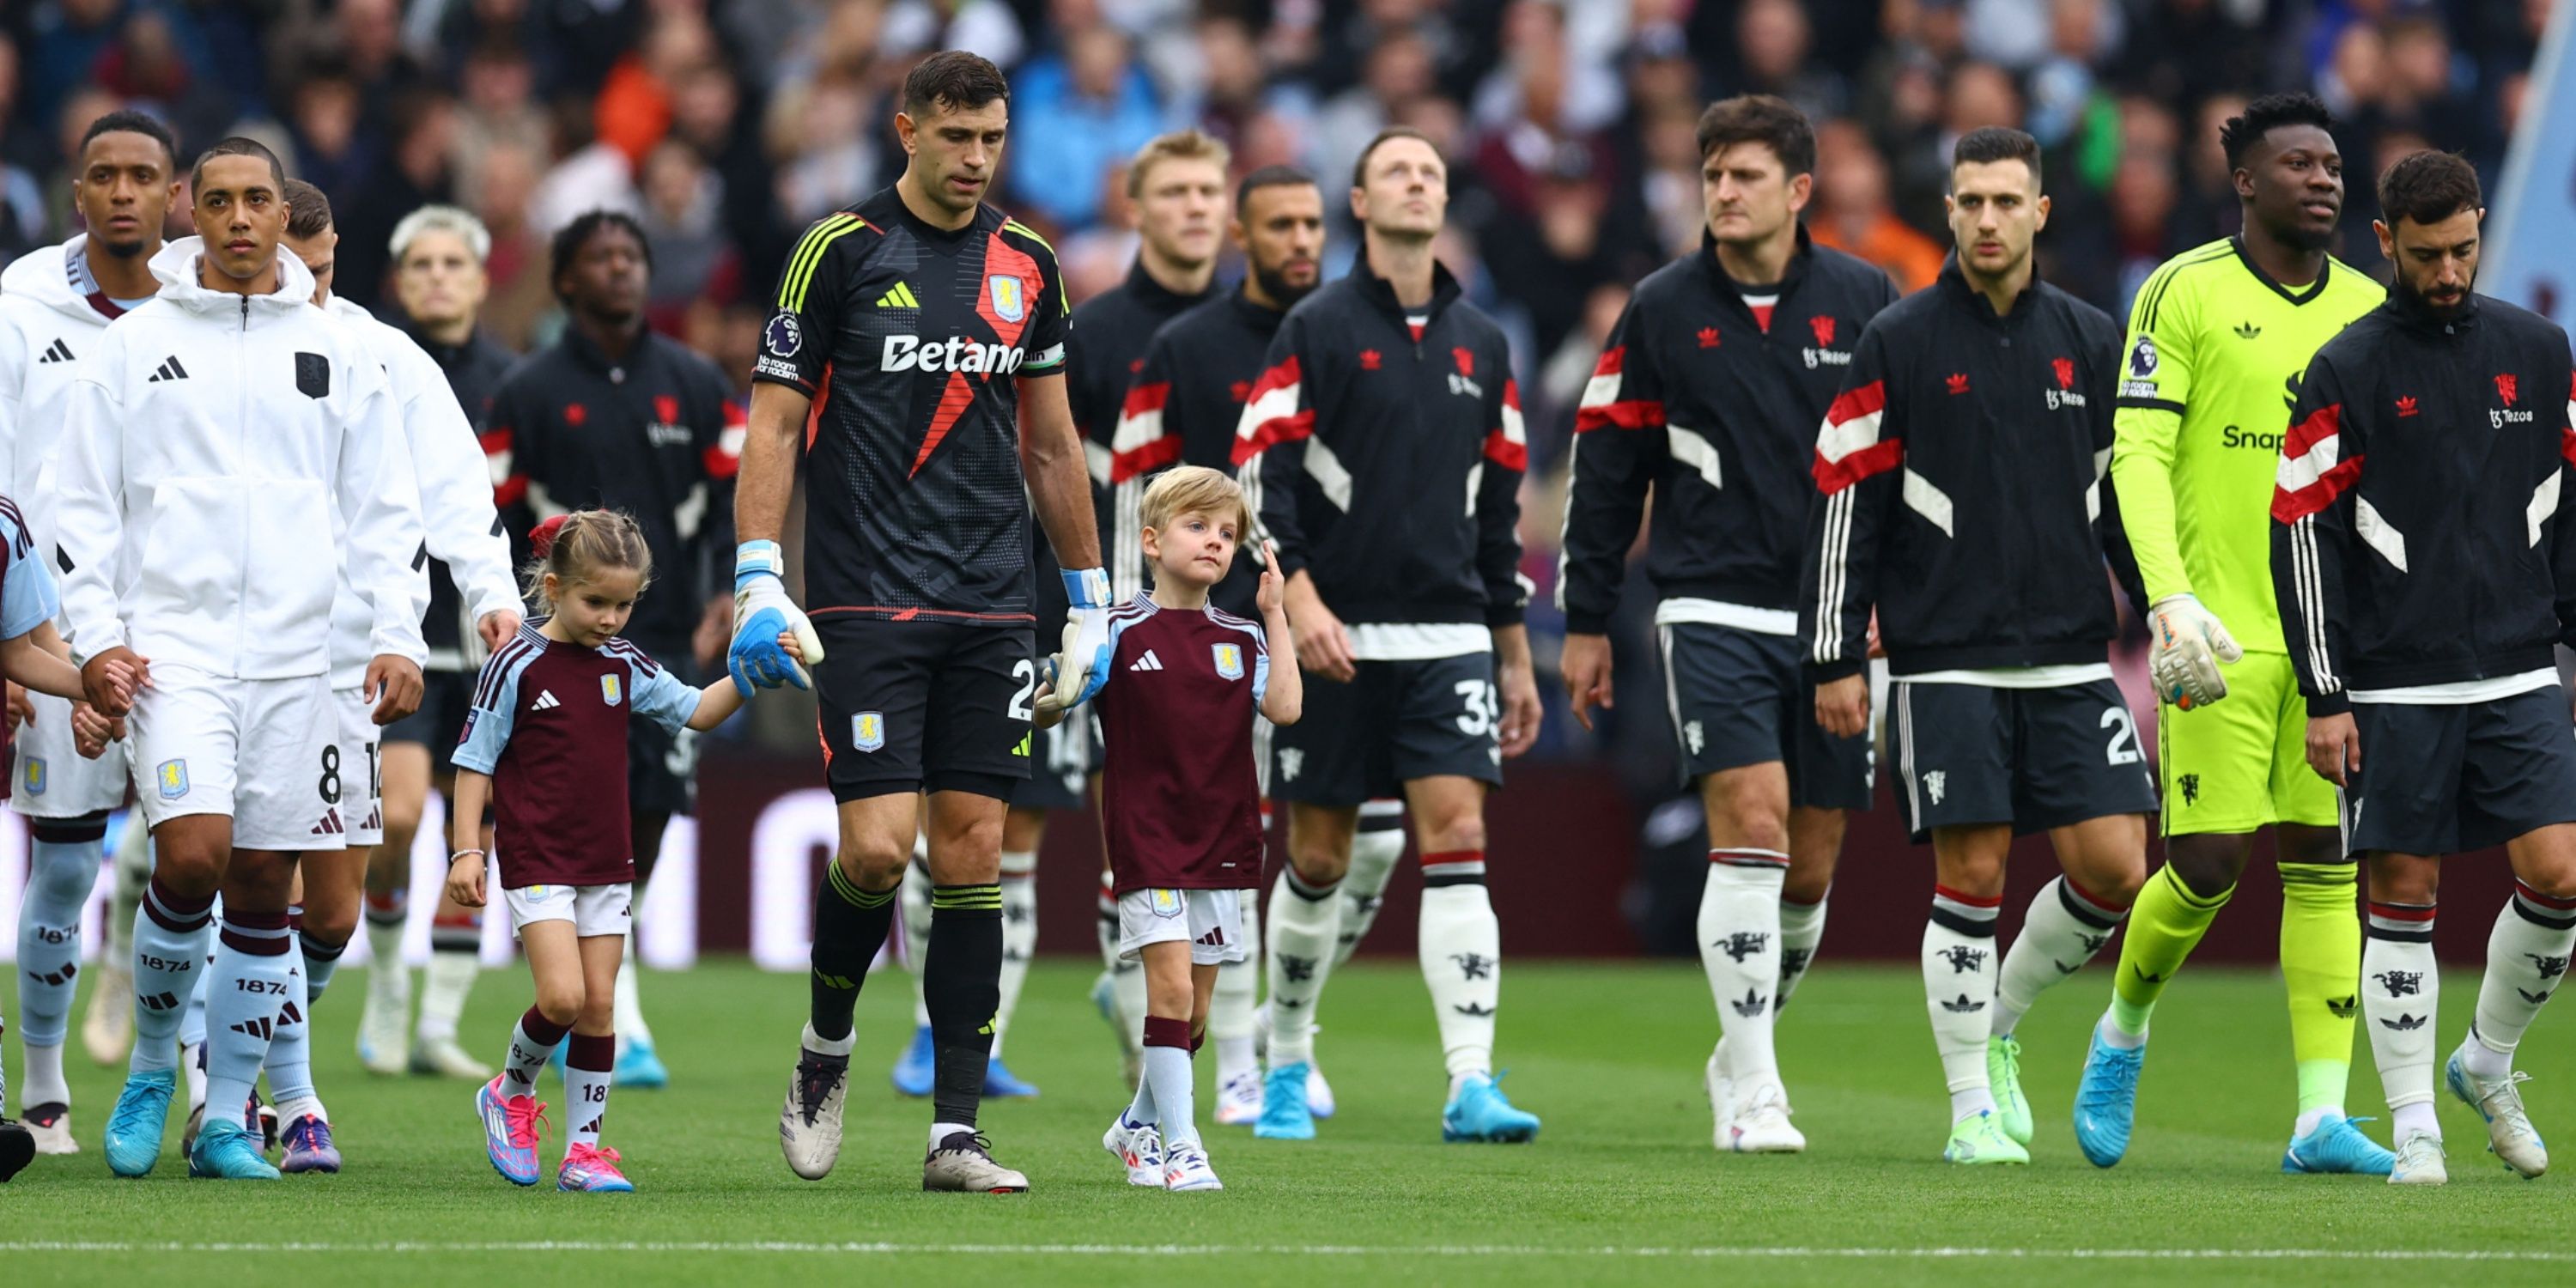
1959 972
1461 946
1374 854
2065 926
1019 935
1305 920
2401 998
1802 930
1739 948
2527 956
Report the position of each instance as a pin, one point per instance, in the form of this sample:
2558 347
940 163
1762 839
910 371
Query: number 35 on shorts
1483 717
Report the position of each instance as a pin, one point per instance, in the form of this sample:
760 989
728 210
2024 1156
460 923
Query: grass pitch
1621 1186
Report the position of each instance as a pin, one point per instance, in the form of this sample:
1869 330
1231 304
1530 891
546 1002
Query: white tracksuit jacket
442 470
209 437
46 327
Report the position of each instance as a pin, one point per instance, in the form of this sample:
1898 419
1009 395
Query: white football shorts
362 774
50 778
1210 921
265 752
592 910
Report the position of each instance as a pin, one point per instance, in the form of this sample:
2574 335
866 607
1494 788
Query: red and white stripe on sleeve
1140 446
723 459
1849 447
1603 408
2313 469
1507 444
2567 436
509 487
1271 414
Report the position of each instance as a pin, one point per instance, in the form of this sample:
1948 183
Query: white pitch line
1293 1250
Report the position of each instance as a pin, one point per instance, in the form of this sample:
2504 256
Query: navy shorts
1393 723
661 769
2444 779
1738 698
2034 758
439 723
1061 763
920 705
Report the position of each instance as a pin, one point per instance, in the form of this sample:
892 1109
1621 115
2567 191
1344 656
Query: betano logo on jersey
956 353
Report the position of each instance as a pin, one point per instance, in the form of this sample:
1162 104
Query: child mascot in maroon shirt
1180 797
545 742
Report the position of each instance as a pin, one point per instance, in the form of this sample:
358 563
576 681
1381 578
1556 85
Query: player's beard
2305 240
133 249
1274 284
2425 305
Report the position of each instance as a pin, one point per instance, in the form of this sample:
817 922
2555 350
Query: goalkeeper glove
761 612
2186 648
1079 672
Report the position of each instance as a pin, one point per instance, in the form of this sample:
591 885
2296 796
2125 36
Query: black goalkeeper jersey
910 338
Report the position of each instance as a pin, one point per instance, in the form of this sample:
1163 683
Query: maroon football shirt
549 725
1180 803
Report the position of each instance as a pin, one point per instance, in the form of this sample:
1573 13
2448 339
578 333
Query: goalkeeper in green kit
2218 338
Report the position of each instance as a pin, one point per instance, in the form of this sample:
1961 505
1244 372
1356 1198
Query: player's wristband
757 559
1088 588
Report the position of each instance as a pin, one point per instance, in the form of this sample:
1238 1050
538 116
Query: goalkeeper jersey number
2214 353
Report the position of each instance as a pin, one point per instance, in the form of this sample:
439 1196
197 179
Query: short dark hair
953 80
2269 113
1764 119
570 238
2428 187
237 146
1359 168
308 210
128 121
1269 176
1996 143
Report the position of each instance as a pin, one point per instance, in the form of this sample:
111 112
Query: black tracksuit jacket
1716 414
1962 494
2419 526
1183 410
1387 463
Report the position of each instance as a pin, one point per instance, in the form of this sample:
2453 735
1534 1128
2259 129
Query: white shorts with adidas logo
265 752
1209 921
362 775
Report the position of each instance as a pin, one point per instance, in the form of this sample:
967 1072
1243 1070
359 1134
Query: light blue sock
251 1000
321 961
1141 1110
170 945
1167 1071
290 1043
192 1023
60 876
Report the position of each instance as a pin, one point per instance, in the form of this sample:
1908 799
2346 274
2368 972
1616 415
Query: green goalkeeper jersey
2214 356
